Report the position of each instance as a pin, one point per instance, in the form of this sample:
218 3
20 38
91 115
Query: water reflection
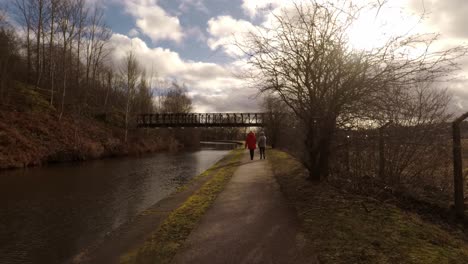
48 214
219 145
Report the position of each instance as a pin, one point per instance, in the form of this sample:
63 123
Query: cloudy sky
185 40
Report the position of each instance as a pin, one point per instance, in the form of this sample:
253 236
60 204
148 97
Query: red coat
251 141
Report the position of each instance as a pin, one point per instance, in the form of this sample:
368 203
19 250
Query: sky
190 41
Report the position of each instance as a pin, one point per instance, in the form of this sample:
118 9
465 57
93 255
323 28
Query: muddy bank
37 138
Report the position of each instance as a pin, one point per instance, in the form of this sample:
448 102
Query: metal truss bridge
201 120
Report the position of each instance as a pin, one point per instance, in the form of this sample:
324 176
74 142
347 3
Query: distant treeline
62 96
63 54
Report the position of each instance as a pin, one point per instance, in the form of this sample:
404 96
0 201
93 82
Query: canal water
48 214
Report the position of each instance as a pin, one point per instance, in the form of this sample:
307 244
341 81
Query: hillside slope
31 134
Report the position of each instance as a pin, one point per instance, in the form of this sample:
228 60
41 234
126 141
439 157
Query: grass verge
164 243
347 228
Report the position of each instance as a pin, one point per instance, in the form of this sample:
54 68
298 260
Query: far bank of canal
48 214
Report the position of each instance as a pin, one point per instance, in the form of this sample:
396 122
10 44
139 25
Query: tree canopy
303 55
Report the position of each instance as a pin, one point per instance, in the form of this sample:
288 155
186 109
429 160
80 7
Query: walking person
251 143
262 144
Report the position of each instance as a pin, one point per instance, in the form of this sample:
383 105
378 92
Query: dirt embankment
345 227
34 138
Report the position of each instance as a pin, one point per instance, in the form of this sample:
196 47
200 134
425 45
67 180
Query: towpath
250 222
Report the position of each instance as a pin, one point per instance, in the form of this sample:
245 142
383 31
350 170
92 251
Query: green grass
26 98
164 243
346 228
206 173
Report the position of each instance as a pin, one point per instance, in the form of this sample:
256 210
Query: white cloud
225 31
196 33
255 7
213 87
133 32
187 5
154 21
448 16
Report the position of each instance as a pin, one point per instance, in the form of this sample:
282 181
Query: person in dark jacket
251 143
262 144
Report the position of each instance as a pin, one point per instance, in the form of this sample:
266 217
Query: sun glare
374 27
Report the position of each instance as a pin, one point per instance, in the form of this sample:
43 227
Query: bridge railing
201 120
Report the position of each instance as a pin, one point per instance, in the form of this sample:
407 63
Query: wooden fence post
458 180
382 150
381 154
348 154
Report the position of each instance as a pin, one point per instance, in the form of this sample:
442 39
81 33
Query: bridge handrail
202 119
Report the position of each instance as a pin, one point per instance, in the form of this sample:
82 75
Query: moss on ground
226 160
164 243
346 228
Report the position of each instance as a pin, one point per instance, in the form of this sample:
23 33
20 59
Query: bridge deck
201 120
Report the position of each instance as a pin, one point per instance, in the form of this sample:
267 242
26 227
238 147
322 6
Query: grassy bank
31 139
164 243
32 134
347 228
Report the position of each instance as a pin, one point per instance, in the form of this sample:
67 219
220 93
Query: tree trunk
3 80
127 113
43 59
106 98
38 44
458 181
64 89
311 152
28 53
318 142
78 66
64 83
81 27
52 83
324 158
51 54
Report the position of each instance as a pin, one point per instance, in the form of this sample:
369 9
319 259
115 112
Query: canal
48 214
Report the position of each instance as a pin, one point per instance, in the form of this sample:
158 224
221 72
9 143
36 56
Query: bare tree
304 58
24 8
109 83
176 100
9 54
161 88
417 134
97 37
53 7
130 72
66 47
67 24
277 114
82 16
39 6
44 36
144 96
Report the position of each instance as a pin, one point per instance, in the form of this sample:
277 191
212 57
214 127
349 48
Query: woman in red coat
251 143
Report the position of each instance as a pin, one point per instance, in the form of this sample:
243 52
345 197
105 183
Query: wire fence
416 161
